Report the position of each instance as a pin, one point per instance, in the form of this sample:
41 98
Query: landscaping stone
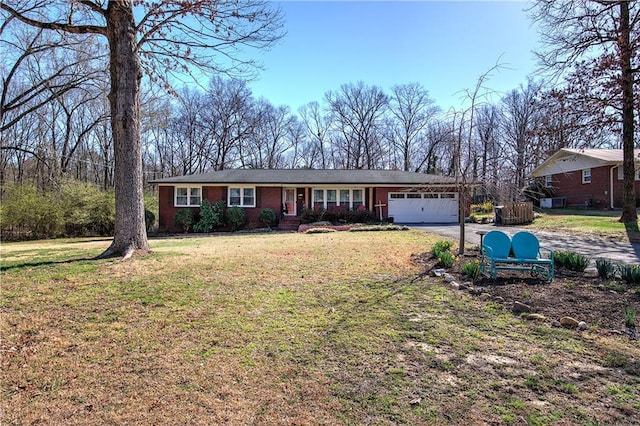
556 323
498 299
485 296
582 325
536 317
519 307
439 272
449 278
569 322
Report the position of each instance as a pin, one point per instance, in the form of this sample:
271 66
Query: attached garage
423 207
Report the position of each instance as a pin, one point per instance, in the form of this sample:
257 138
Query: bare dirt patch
583 296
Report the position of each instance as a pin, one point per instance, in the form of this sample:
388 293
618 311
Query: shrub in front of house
236 217
183 219
268 217
311 216
211 216
338 216
149 219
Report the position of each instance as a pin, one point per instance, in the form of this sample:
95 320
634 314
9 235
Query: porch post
371 203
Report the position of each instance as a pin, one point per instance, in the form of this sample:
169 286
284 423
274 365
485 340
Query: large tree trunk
629 213
125 71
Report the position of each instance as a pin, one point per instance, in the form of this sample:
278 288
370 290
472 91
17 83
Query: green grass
594 222
285 329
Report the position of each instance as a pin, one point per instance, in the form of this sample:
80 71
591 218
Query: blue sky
444 45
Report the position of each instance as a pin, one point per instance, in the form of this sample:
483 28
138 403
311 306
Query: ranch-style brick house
586 177
406 197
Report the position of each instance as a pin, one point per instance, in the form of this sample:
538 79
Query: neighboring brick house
586 177
407 197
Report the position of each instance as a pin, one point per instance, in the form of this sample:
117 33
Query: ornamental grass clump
440 247
571 260
606 269
446 259
471 269
441 251
630 273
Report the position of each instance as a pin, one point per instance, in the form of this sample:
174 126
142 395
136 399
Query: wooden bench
522 252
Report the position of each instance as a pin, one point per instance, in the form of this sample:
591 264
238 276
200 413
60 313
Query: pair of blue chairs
522 252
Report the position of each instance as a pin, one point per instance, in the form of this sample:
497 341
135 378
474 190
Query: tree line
357 126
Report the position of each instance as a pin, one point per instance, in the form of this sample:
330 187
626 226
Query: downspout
611 186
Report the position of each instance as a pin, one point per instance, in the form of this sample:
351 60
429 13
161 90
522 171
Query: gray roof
279 177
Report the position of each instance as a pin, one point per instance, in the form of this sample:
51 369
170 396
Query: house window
345 196
187 196
332 199
327 198
358 198
548 181
586 176
242 196
318 199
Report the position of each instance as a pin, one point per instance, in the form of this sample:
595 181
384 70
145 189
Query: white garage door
423 207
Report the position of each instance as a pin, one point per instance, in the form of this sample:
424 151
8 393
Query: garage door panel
426 209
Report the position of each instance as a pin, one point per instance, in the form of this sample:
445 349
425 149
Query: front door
290 201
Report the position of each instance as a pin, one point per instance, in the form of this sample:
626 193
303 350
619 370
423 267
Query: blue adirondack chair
522 252
526 247
496 246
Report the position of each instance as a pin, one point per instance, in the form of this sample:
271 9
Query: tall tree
412 109
574 30
168 35
357 111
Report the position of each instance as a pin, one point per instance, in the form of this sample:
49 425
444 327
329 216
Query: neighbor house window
328 198
187 196
548 182
242 196
621 173
586 176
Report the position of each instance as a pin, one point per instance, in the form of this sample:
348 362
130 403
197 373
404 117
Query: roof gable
570 160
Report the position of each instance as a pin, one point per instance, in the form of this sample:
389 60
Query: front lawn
603 223
307 329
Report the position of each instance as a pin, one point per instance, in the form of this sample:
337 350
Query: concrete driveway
592 247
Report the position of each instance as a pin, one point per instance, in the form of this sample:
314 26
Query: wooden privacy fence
514 214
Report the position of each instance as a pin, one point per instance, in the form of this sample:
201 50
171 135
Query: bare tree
574 30
357 112
317 125
412 110
169 32
520 118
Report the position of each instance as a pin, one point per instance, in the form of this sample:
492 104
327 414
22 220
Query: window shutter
205 193
258 196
